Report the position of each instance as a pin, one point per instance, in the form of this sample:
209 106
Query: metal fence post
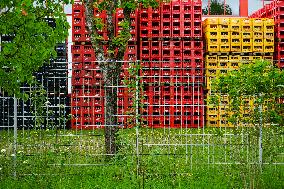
15 137
260 136
136 117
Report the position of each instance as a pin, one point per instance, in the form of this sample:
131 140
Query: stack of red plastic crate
275 10
171 54
87 83
87 94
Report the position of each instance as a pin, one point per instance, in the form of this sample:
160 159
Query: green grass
75 159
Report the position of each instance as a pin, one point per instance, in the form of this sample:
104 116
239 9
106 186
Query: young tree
217 8
116 48
260 82
27 39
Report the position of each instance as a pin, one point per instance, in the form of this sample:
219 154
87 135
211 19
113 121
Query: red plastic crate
78 9
145 63
187 62
177 62
166 7
79 81
79 37
77 65
145 53
156 63
188 45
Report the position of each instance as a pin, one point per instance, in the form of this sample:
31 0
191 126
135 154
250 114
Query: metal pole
136 117
209 7
224 7
260 135
15 137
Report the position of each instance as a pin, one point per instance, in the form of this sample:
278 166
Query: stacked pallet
171 54
87 104
231 42
275 10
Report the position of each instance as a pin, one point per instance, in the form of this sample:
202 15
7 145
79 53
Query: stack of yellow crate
231 42
239 35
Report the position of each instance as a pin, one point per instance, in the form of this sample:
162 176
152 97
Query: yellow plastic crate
257 57
212 35
257 22
234 65
222 72
234 57
211 58
224 100
225 28
247 28
225 42
225 35
212 65
245 60
268 42
246 41
257 48
246 22
223 109
268 35
212 123
225 48
236 35
223 64
246 35
235 42
213 41
268 22
235 28
269 48
212 48
246 48
235 21
257 28
211 21
224 21
269 58
212 117
211 109
236 48
258 35
223 58
268 29
211 73
258 42
211 27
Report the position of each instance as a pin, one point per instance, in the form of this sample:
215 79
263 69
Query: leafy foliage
217 8
30 39
253 86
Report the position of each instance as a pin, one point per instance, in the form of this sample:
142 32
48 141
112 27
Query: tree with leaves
110 62
256 87
217 8
28 39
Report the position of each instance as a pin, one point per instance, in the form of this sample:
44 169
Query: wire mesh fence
173 141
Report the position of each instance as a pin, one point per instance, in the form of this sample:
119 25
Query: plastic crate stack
171 54
87 82
275 10
231 42
87 103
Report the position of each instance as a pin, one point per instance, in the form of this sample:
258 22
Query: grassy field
164 158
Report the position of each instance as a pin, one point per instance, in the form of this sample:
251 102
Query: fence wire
173 141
